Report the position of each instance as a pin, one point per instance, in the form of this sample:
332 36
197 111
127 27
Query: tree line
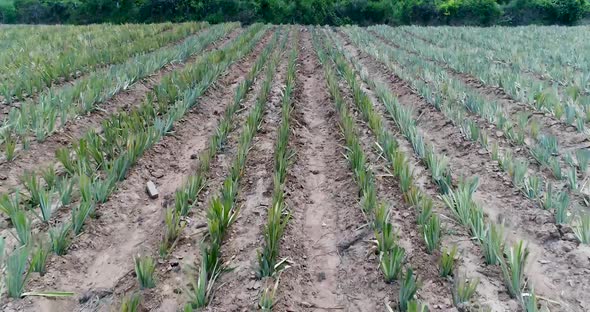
331 12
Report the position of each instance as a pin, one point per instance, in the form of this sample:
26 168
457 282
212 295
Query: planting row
278 214
99 161
391 255
54 108
447 95
558 60
458 199
571 106
42 65
222 210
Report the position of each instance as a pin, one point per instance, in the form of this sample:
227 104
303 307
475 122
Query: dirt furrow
240 288
504 204
41 155
175 273
130 223
322 199
436 291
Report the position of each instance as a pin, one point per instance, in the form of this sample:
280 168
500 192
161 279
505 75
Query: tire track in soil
322 198
41 155
101 257
546 265
171 277
241 289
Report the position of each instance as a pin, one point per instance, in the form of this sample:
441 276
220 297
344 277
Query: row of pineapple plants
555 60
222 210
269 264
458 200
186 196
391 254
537 94
428 222
110 46
549 61
55 107
518 128
96 153
22 44
532 185
99 162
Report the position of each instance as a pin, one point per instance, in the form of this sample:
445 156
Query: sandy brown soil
322 198
547 264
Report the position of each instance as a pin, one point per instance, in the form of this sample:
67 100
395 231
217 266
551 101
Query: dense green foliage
333 12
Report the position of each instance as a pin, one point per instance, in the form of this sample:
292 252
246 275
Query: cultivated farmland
187 167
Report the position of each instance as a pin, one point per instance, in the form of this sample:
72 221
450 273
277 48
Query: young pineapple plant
17 272
145 267
447 261
432 233
408 287
31 183
131 303
493 244
9 204
268 298
561 208
582 229
80 214
391 263
463 290
22 226
513 266
60 238
39 256
174 226
45 198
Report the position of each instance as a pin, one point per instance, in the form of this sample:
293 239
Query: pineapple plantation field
197 167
